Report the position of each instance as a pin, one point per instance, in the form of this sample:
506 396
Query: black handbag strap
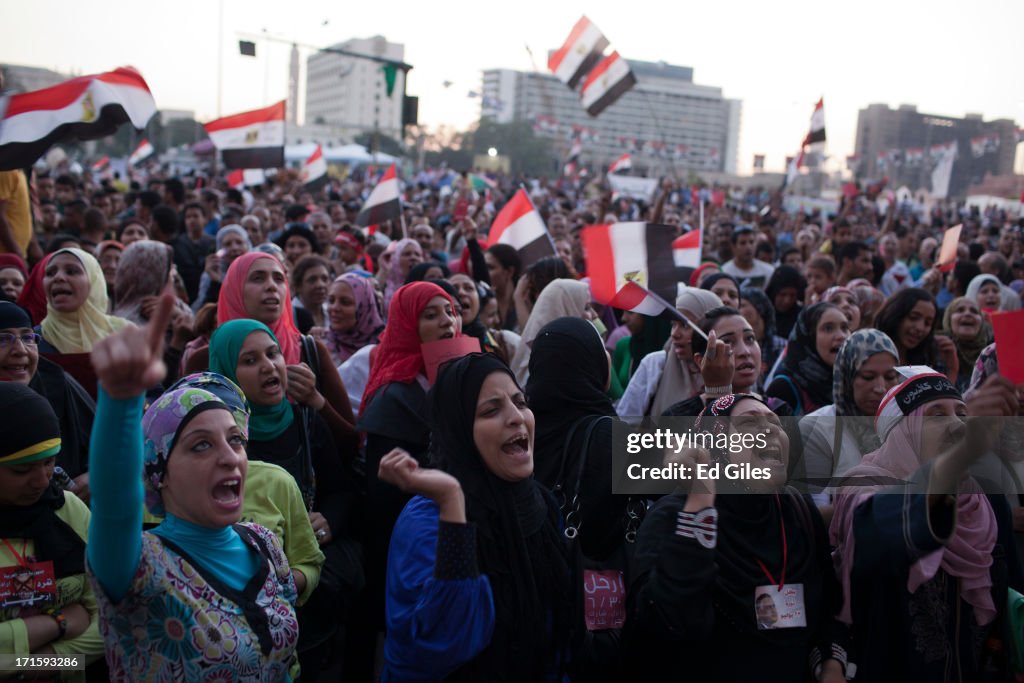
310 351
572 516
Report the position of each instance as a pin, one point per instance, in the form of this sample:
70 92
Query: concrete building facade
902 144
666 122
349 94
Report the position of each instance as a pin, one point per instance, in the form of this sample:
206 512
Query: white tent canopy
346 154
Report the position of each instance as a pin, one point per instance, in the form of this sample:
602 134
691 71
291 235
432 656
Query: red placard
1009 330
439 352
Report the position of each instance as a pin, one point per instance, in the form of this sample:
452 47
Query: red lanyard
19 558
785 552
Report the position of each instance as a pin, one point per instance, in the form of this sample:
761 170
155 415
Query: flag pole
676 315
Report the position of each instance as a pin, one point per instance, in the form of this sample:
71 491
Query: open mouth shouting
271 387
518 446
227 493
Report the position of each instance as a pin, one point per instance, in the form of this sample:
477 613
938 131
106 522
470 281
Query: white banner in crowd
637 188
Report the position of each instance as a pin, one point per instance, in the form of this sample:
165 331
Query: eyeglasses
8 339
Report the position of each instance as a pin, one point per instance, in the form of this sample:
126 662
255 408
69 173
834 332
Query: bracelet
701 526
62 621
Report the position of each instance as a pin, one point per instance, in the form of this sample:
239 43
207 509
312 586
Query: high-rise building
293 86
350 94
667 122
18 78
905 144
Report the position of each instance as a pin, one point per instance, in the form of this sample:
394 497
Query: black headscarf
750 529
782 278
764 307
802 364
520 546
29 420
710 281
419 272
568 375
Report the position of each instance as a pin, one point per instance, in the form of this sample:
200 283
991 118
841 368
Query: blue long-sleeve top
115 531
439 608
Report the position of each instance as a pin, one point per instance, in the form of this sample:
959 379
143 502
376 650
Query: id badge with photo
780 608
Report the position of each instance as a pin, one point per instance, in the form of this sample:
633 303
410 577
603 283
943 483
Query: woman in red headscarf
394 415
33 296
256 287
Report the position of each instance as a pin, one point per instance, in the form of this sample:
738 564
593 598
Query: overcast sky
947 57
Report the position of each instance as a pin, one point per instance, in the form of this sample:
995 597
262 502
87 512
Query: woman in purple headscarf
353 316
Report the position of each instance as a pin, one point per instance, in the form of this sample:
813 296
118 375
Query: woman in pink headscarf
923 554
397 260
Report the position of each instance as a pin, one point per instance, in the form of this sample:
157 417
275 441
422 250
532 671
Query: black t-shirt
190 258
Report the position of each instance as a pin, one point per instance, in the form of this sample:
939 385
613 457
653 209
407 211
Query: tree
527 153
385 144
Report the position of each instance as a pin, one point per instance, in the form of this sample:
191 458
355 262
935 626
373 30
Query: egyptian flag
623 163
686 249
383 203
609 81
519 225
633 297
252 139
572 163
84 108
142 152
793 165
578 55
817 132
643 253
314 171
101 164
240 178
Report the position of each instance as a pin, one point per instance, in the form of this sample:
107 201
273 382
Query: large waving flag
609 81
314 170
383 203
578 55
252 139
83 108
643 253
141 153
815 136
518 224
817 132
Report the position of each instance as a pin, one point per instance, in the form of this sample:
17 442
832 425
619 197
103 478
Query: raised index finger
158 321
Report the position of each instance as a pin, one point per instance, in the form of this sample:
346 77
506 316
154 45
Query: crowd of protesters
218 439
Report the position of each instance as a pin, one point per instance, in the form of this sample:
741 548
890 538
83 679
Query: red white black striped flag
519 225
141 153
383 203
83 108
252 139
578 55
817 132
609 81
643 253
623 163
314 170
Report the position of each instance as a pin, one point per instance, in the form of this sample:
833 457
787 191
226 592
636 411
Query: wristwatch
62 621
723 390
